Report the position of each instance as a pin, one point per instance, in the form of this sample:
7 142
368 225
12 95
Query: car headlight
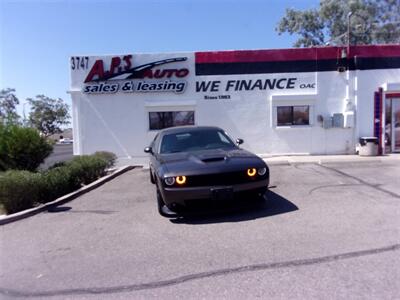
251 172
169 180
262 171
181 180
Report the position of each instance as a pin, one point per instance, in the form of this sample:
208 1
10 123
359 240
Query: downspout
76 122
356 132
351 98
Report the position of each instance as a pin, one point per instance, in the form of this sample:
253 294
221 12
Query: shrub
108 156
22 148
69 176
87 168
57 182
57 164
19 190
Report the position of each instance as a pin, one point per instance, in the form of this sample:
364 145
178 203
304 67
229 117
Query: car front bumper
181 196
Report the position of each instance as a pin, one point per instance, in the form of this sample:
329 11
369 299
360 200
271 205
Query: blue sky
37 37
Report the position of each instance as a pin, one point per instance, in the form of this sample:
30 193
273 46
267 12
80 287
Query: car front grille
222 179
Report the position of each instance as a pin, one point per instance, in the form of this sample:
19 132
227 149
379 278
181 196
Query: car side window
155 143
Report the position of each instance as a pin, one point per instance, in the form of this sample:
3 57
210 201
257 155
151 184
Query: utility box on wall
349 119
338 120
328 122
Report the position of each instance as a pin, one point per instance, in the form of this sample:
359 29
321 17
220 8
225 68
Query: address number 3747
79 62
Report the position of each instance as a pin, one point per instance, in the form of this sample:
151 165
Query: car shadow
274 204
68 209
57 209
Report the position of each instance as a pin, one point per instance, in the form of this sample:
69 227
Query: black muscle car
194 164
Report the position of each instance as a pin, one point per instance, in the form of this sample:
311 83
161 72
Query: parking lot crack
332 186
198 276
374 186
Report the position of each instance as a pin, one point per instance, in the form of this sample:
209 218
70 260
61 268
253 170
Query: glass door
396 125
388 126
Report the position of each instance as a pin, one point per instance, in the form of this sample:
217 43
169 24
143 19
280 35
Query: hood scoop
213 159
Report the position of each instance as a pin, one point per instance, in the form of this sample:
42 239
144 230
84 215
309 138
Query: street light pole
348 32
23 110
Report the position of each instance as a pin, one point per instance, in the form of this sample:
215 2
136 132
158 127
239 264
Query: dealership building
286 101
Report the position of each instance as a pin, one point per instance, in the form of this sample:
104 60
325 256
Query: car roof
189 128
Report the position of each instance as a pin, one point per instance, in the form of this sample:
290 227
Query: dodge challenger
191 165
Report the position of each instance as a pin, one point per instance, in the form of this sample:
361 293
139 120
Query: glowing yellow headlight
251 172
181 179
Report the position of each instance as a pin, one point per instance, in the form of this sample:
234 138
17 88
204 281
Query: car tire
261 197
163 210
160 202
152 180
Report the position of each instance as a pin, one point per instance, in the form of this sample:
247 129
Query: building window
165 119
293 115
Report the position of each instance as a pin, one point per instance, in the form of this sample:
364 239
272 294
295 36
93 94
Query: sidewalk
322 159
299 159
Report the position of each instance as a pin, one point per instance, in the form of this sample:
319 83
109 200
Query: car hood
209 161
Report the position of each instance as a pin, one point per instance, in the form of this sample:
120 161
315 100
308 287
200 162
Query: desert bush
22 148
57 164
108 156
57 182
19 190
87 168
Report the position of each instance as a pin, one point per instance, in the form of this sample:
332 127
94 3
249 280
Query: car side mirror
148 150
239 141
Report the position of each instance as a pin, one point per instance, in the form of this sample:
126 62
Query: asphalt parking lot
61 152
326 231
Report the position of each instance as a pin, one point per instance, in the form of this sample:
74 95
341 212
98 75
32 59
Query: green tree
48 115
372 21
8 106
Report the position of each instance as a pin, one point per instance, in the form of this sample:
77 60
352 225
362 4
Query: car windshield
195 140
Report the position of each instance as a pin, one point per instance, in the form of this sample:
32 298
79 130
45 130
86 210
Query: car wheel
152 180
163 210
160 203
261 197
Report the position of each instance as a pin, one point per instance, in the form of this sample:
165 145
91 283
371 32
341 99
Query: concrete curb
64 199
290 160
